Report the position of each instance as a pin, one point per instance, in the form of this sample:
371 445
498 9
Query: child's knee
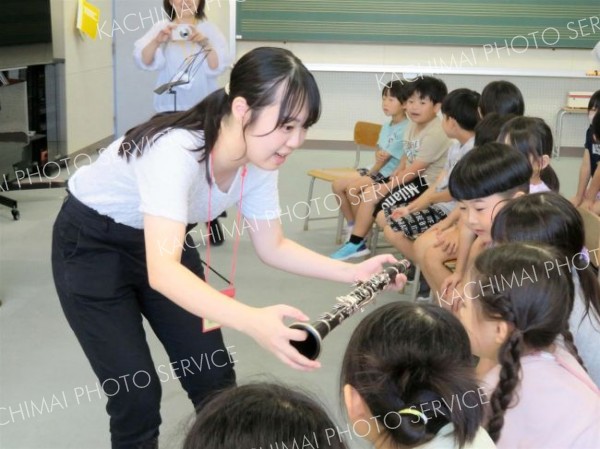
422 244
338 186
431 259
381 221
389 233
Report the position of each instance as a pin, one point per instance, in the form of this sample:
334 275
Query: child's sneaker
351 250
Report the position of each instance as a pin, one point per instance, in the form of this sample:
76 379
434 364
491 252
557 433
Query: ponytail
262 77
590 288
412 366
570 345
550 178
205 116
537 308
509 357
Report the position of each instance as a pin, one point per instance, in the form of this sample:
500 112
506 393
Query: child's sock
355 239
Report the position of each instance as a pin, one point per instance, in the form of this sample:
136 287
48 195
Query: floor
48 394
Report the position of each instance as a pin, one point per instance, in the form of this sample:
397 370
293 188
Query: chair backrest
366 134
591 225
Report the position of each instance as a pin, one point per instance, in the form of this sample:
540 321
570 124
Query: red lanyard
238 220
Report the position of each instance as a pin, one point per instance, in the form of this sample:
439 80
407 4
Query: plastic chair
366 135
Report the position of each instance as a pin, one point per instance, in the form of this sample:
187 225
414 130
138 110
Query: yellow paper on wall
88 17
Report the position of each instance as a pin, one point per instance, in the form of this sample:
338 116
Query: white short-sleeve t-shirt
168 181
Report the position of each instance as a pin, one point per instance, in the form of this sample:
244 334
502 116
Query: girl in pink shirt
519 299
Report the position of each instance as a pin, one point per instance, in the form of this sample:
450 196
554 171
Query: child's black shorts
401 196
416 223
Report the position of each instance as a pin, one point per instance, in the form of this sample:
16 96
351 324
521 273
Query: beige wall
88 76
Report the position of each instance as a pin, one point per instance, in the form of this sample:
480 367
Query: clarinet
363 294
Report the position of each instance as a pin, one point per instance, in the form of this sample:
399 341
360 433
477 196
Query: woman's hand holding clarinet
266 326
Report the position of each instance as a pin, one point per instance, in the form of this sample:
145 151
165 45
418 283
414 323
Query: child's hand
400 212
381 156
449 286
576 200
587 204
447 241
266 326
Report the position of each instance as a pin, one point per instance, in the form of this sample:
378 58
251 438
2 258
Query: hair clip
585 255
412 411
226 89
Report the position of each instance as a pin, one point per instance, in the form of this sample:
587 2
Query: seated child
408 381
441 240
262 415
551 219
501 97
533 137
588 193
391 149
403 224
424 156
482 181
517 305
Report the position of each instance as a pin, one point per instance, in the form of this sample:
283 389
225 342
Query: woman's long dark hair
172 14
405 355
517 287
257 77
551 219
489 169
262 415
533 137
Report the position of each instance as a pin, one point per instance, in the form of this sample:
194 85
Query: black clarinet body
363 294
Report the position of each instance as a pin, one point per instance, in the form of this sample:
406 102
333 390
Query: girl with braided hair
408 381
550 218
518 301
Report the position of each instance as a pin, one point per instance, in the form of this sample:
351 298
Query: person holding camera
186 48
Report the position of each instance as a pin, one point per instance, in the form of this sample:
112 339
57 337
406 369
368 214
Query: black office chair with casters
21 150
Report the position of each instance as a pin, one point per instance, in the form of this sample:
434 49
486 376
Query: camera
181 33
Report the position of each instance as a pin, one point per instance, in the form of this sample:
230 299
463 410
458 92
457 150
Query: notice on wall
88 17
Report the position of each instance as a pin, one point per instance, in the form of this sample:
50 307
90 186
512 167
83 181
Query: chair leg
374 239
310 195
414 291
340 226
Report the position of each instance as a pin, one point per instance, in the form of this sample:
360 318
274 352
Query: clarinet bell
311 347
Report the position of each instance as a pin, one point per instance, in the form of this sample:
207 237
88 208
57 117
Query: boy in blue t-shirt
588 190
387 157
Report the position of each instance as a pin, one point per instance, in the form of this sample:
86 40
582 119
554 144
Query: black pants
100 274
